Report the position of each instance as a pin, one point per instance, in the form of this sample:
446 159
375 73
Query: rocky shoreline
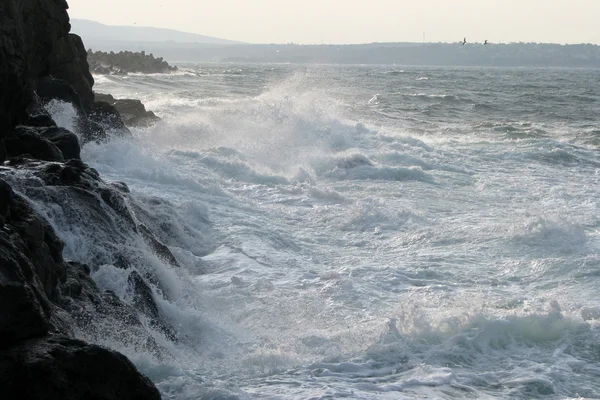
125 62
47 301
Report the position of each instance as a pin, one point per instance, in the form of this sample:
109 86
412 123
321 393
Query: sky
358 21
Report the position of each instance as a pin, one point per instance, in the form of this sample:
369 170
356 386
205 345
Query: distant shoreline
417 54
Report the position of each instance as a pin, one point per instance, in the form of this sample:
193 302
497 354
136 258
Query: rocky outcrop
91 125
42 294
132 112
101 211
69 63
28 141
125 62
43 143
46 300
107 117
49 88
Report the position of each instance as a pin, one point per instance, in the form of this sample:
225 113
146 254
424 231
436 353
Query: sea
363 231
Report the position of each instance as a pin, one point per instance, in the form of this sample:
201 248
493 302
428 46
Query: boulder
133 113
107 98
66 141
58 367
25 140
40 121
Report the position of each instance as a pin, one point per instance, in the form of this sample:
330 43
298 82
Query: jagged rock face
29 31
43 294
101 215
68 369
45 300
31 269
69 63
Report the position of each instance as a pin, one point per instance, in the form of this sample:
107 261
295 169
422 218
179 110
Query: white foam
336 248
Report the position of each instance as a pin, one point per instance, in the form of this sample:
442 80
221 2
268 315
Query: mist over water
363 232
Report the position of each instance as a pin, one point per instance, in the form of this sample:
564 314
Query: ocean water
365 232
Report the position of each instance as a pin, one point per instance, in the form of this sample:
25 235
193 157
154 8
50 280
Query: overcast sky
358 21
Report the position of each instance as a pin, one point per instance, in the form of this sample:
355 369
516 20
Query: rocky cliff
45 300
29 32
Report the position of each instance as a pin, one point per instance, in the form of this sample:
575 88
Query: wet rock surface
57 367
46 300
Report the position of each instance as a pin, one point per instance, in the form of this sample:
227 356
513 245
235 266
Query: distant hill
94 32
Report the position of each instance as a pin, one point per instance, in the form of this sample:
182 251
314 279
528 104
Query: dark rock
159 249
68 369
41 293
22 316
93 131
90 309
84 196
30 30
2 151
39 243
40 121
25 140
69 63
121 186
48 88
30 270
6 197
108 117
65 140
42 297
107 98
143 301
133 113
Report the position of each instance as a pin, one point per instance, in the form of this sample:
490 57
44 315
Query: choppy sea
365 232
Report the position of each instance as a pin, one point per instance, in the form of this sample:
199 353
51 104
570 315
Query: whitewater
366 232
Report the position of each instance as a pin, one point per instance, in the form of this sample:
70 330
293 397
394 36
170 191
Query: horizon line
238 42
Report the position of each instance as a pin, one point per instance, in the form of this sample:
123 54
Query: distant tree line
125 62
